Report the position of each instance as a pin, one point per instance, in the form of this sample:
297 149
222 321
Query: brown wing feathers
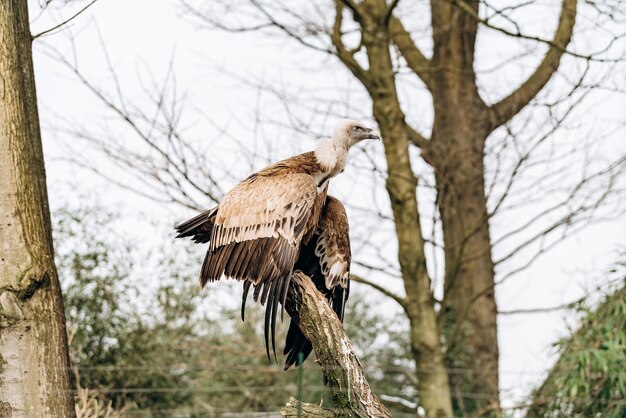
255 236
264 263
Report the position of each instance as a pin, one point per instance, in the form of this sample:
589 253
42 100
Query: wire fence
410 394
294 389
274 368
226 412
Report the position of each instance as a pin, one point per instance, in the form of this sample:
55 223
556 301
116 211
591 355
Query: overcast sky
142 37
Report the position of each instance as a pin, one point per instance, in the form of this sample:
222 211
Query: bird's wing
256 236
333 245
265 207
326 259
258 228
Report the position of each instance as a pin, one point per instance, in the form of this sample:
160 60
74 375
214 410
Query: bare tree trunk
432 379
456 152
469 308
34 373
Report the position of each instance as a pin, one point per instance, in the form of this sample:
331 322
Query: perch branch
340 365
308 410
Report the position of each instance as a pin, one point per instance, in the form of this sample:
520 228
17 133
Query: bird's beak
374 134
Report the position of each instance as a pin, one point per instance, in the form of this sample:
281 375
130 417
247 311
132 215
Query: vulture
278 220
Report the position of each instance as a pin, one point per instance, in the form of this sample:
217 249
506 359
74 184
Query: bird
280 220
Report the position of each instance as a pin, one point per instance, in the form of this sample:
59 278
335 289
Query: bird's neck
331 159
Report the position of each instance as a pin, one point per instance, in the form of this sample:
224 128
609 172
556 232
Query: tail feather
296 343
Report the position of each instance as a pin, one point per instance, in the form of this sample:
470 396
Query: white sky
142 34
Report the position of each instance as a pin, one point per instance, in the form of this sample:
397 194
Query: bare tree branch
389 13
573 215
568 305
268 21
466 8
401 301
516 101
350 4
415 59
346 56
524 158
66 21
296 409
174 163
415 137
285 28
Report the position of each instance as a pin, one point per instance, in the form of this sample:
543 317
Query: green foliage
113 346
145 341
589 379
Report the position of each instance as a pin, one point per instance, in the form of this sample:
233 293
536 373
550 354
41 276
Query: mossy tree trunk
34 373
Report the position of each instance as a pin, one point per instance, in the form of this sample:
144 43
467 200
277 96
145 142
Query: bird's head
349 132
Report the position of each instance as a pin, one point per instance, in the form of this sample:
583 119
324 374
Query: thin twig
65 21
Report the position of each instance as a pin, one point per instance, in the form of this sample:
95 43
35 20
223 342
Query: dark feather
199 227
300 345
265 264
244 297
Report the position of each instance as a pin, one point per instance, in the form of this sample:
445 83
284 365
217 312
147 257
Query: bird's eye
357 128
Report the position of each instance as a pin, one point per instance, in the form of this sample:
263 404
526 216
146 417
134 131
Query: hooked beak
373 134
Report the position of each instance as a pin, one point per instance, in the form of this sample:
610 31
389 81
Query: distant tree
34 377
589 378
118 350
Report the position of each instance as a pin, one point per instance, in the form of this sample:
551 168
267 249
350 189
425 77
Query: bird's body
278 220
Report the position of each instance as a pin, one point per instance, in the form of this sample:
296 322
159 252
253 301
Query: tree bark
456 152
34 373
432 379
343 371
469 312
